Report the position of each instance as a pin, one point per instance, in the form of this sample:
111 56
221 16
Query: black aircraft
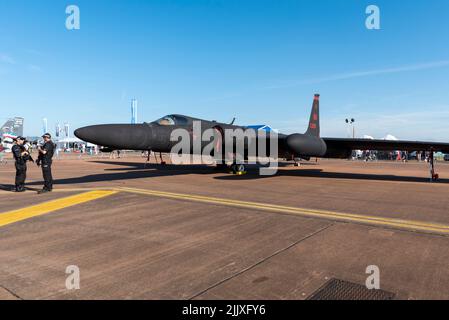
156 137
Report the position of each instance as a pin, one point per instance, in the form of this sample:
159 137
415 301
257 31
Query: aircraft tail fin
6 128
314 123
13 126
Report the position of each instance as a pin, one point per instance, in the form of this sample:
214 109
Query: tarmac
191 232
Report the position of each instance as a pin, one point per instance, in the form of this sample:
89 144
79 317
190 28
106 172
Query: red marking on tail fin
314 122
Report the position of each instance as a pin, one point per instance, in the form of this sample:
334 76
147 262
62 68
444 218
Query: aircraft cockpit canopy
172 120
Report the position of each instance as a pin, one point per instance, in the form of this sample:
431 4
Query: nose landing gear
238 169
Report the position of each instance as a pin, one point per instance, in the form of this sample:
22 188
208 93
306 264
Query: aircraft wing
385 145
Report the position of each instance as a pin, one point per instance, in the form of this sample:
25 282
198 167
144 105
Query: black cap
47 135
20 138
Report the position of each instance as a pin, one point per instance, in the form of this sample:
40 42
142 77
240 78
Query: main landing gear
235 168
238 169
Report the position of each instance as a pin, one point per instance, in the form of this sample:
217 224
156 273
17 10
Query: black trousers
48 178
21 175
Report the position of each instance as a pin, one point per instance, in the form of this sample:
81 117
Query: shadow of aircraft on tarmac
133 170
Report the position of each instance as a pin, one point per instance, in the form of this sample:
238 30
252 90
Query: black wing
384 145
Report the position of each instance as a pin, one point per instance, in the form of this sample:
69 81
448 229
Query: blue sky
260 61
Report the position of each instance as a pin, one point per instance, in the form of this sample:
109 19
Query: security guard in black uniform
45 160
21 156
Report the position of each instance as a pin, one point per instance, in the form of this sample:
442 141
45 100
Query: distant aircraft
11 130
155 137
13 127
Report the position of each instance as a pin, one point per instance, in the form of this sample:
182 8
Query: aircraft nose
87 134
117 136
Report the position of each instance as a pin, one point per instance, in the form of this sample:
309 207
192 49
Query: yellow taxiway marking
10 217
329 215
97 193
83 190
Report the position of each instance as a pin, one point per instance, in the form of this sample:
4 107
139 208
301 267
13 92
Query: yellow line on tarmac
10 217
82 189
322 214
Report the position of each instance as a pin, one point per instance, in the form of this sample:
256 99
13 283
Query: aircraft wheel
238 169
241 168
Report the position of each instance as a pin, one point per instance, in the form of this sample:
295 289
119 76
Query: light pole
350 122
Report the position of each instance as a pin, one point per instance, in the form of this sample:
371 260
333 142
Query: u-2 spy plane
157 137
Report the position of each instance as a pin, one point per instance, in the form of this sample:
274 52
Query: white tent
72 143
69 140
390 137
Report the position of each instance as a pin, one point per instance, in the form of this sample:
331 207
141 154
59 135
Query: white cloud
34 68
6 59
35 52
430 124
360 74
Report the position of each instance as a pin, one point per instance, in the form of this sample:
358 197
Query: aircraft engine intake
306 145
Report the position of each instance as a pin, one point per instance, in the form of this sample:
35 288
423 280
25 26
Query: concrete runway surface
190 232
